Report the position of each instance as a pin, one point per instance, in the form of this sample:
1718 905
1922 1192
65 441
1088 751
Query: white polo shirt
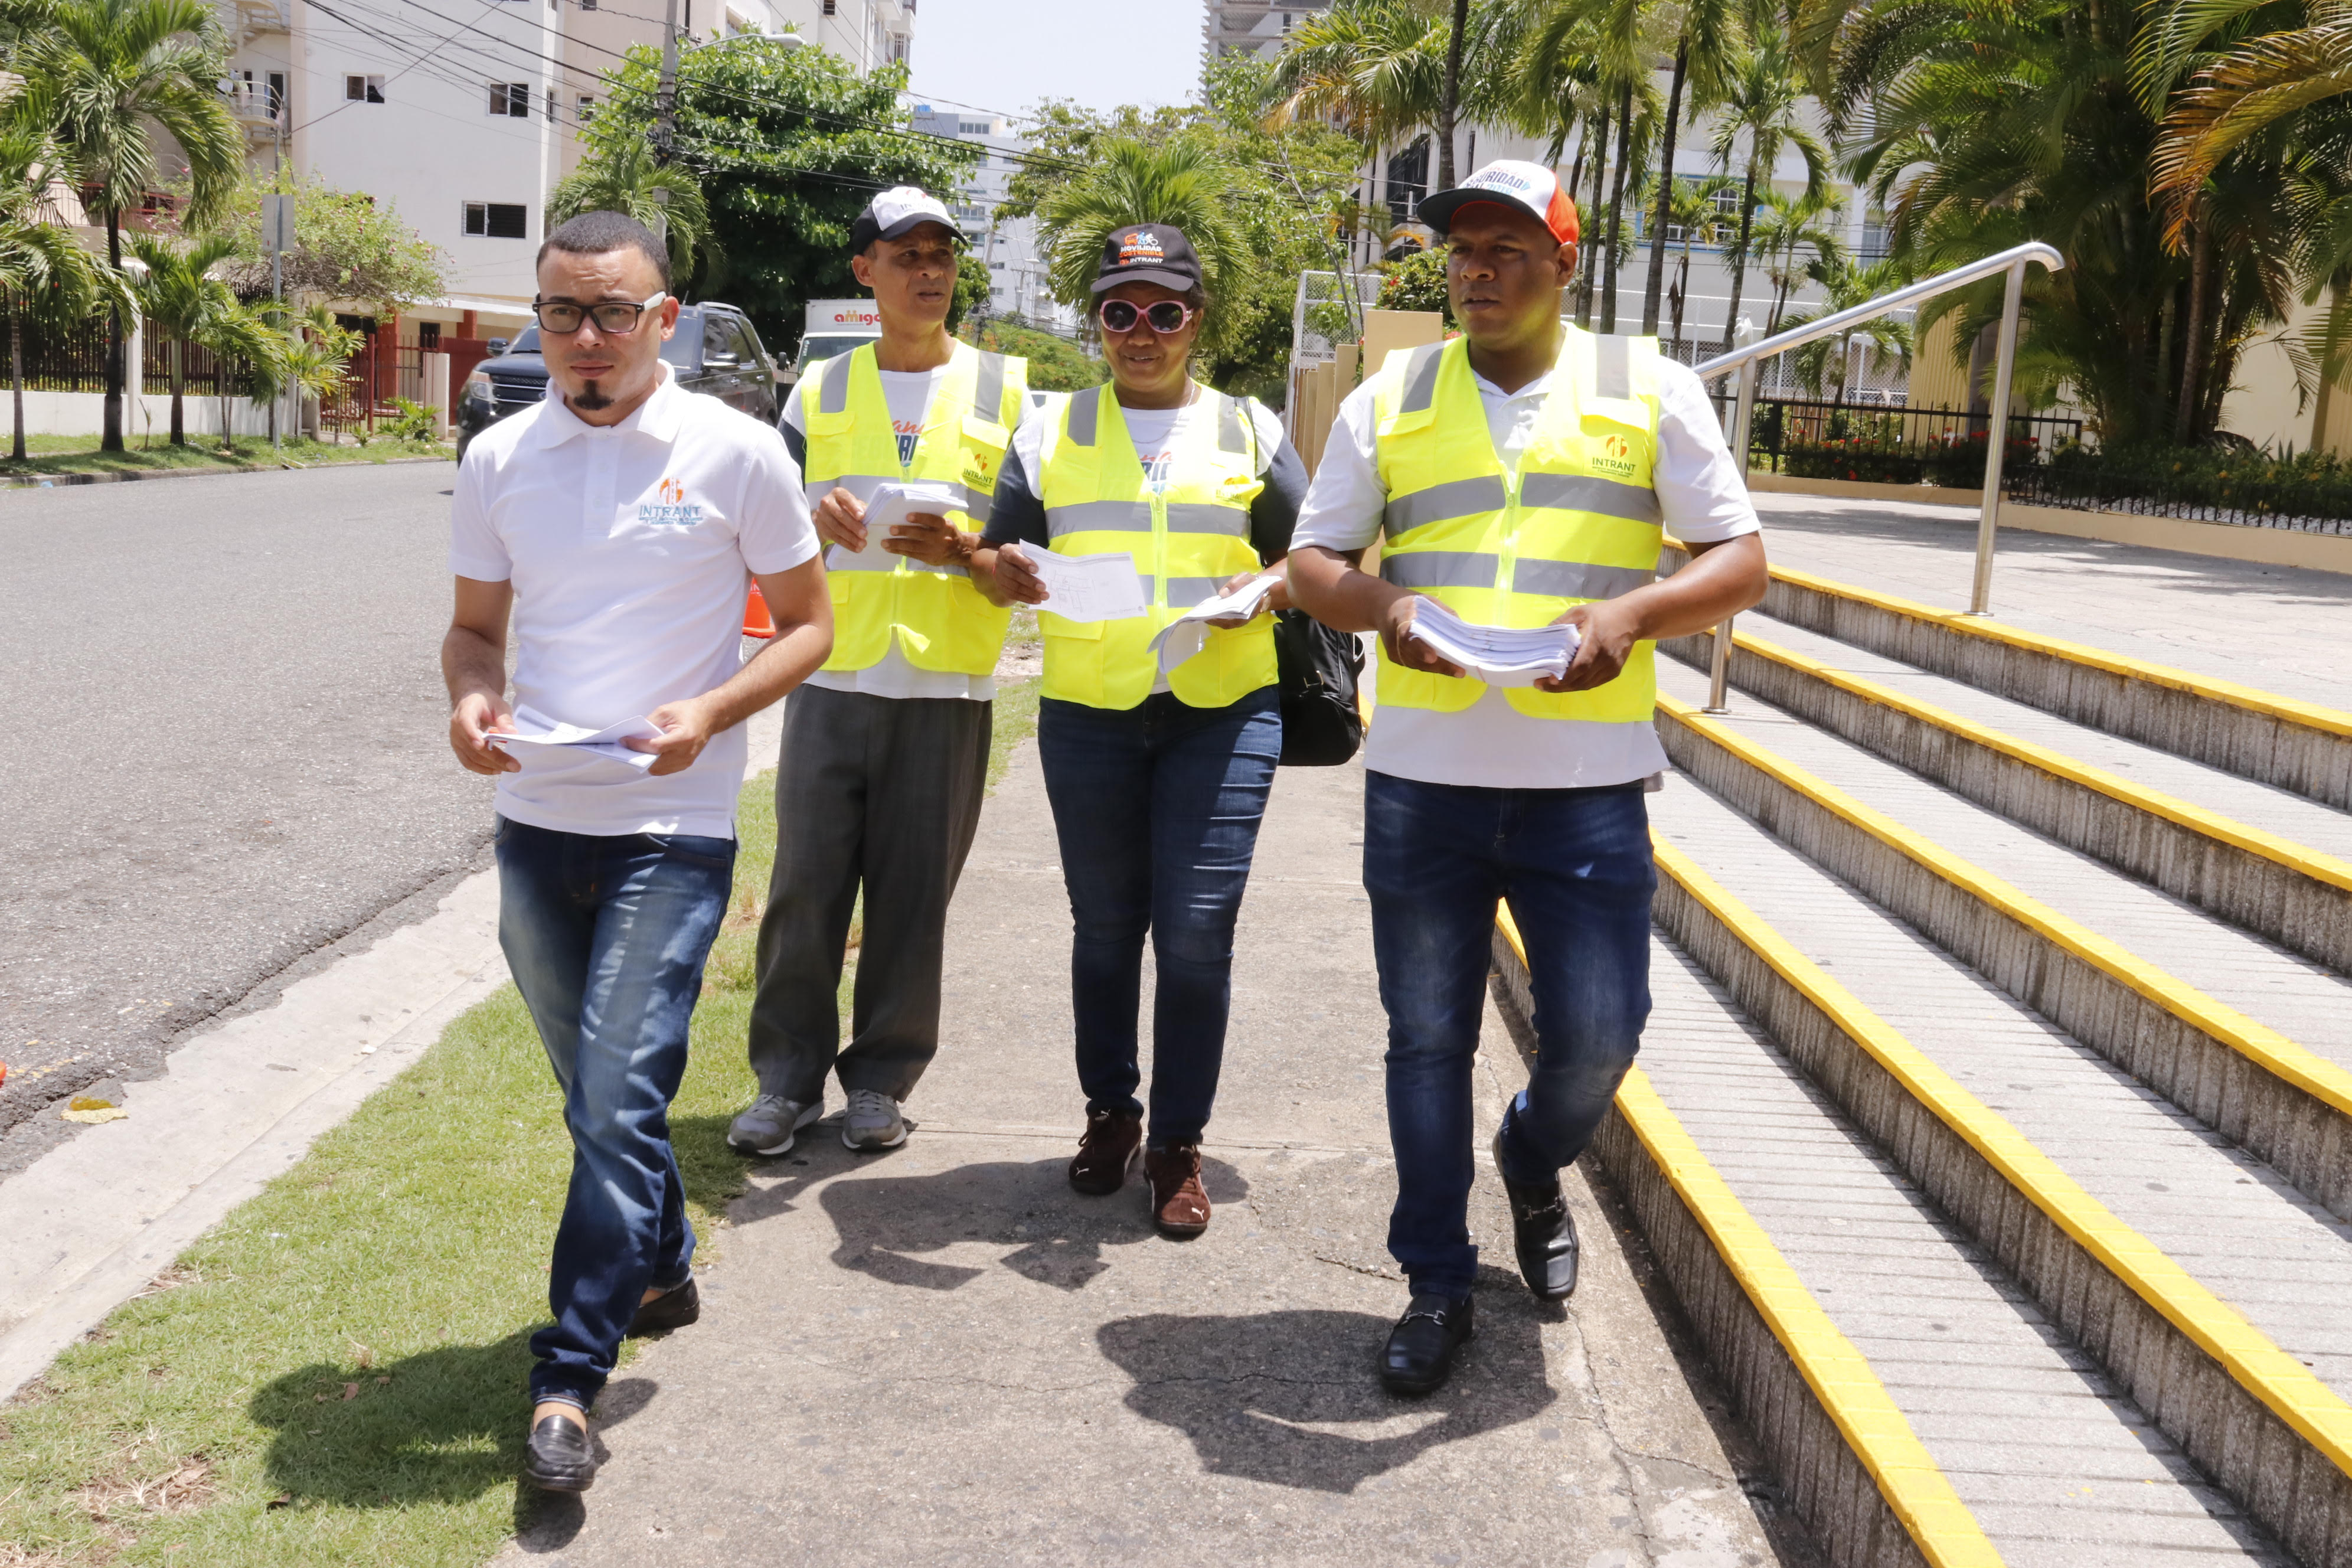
1491 744
630 548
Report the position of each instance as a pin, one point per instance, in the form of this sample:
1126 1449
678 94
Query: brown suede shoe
1106 1152
1179 1208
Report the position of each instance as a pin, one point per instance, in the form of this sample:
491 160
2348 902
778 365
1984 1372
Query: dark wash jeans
607 937
1157 807
1576 866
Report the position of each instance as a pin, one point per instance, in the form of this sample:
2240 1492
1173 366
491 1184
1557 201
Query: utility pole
665 94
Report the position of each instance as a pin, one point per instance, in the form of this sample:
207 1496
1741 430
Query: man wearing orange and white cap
1521 476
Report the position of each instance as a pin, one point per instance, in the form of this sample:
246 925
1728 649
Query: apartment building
1258 26
1016 271
462 117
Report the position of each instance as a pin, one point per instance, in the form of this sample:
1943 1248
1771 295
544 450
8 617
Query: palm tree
1695 211
1376 67
1762 113
182 301
1705 52
625 175
114 71
241 337
1179 183
44 270
1845 285
1791 225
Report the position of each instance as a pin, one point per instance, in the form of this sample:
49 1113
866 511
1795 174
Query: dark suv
715 350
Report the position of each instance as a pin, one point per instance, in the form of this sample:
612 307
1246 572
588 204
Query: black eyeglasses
565 316
1163 317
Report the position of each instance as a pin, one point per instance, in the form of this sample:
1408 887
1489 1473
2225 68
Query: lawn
336 1373
80 455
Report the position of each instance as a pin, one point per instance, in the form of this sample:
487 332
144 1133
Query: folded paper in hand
1180 639
1495 655
533 728
1088 587
890 505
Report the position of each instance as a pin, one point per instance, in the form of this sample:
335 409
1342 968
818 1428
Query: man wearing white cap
1520 475
884 755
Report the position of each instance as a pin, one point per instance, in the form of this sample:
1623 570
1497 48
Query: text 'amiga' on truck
835 327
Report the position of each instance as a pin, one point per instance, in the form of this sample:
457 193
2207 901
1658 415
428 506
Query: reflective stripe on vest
1580 521
1187 542
931 613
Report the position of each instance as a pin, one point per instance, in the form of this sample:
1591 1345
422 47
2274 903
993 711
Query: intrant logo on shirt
1615 456
673 510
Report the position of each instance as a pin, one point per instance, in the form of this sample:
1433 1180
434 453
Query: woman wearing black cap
1158 779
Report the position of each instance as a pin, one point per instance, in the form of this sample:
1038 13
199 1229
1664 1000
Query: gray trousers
883 792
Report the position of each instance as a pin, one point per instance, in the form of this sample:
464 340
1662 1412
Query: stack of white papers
1180 639
533 728
890 505
1495 656
1088 587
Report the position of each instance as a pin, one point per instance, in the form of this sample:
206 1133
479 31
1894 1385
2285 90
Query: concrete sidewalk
2278 628
944 1355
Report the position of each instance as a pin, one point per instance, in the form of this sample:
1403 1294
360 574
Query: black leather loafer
1419 1356
558 1459
1543 1231
673 1309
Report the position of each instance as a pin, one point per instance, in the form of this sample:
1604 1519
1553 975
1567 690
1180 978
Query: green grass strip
335 1375
46 455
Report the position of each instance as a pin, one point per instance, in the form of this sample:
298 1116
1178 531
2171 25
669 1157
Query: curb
64 482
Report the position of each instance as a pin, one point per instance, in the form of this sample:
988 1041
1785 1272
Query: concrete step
2049 1181
2295 745
2190 835
2283 1099
2043 1452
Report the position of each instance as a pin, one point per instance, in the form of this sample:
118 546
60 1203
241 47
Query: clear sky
1006 55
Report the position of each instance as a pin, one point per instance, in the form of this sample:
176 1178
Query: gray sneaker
873 1123
767 1128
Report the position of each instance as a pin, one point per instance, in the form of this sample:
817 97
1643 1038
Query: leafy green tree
107 75
346 246
1290 199
1847 283
1055 364
972 289
788 146
621 174
45 273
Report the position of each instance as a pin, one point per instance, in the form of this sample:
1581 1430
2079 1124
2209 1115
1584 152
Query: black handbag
1317 668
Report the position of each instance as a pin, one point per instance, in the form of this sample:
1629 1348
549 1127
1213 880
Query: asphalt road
227 755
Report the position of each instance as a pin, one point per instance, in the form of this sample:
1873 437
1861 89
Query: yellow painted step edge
1872 1427
2259 1043
2309 714
2297 858
2261 1367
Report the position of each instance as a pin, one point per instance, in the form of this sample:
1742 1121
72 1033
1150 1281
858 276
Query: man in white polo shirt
1520 475
617 522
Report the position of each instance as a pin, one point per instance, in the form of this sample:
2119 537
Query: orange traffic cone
757 623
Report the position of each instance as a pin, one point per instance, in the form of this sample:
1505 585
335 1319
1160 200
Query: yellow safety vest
941 622
1580 521
1188 541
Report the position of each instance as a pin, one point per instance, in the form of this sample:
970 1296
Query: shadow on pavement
1271 1396
888 1225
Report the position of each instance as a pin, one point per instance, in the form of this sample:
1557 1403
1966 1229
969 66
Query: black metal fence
1812 439
2308 492
73 359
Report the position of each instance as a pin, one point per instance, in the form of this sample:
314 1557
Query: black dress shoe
1419 1356
673 1309
558 1459
1543 1231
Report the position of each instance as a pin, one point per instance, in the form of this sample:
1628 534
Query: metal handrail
1746 357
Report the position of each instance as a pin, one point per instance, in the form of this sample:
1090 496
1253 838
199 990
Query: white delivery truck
835 327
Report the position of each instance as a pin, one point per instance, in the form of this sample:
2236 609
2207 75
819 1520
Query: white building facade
1018 284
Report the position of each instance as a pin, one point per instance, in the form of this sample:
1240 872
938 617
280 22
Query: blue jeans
1157 809
606 937
1576 867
